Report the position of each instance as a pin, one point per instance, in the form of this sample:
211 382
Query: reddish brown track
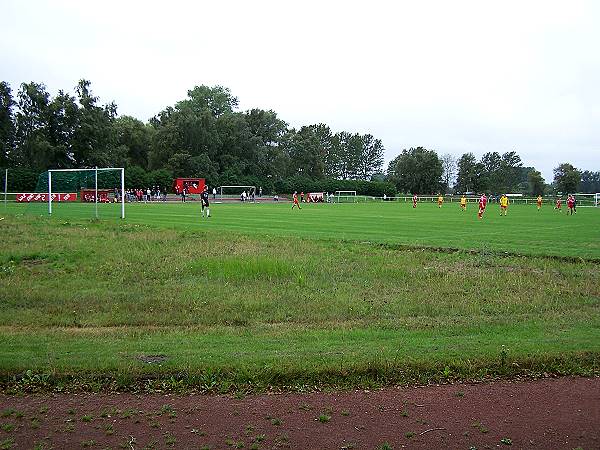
559 413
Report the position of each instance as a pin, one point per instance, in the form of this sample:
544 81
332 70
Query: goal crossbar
95 170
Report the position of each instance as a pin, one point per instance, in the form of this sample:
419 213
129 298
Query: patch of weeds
304 407
108 429
409 435
482 428
35 423
249 429
88 443
71 412
254 446
506 441
460 394
324 418
239 395
385 446
164 409
19 414
69 428
170 440
421 421
8 412
154 424
404 413
345 412
238 444
8 427
277 422
7 444
40 446
229 442
43 409
260 438
282 440
86 418
128 413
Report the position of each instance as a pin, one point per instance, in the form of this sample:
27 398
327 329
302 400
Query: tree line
201 136
204 135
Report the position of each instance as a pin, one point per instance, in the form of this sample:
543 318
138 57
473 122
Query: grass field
261 295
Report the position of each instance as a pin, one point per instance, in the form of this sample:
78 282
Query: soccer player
482 206
503 205
463 203
440 201
570 205
295 203
415 198
204 200
558 204
539 202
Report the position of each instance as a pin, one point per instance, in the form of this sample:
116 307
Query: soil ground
562 413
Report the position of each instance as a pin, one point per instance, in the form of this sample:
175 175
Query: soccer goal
345 197
586 200
236 192
93 192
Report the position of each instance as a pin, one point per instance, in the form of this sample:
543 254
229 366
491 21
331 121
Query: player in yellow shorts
503 204
463 203
440 200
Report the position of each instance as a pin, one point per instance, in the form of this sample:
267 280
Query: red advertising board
191 185
37 197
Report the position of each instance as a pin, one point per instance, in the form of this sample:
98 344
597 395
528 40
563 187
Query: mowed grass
263 295
524 231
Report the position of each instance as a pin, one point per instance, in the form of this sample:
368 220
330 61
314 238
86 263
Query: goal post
345 196
84 186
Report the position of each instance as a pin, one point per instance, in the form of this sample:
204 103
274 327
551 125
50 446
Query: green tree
509 174
590 182
566 178
536 182
94 140
470 174
416 170
136 137
371 157
7 128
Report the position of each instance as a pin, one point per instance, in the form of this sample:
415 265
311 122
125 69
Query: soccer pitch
261 295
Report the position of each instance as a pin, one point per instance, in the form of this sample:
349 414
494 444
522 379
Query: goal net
237 193
586 200
78 193
345 197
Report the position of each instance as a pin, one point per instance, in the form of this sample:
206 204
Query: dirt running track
559 413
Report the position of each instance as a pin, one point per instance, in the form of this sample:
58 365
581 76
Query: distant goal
345 197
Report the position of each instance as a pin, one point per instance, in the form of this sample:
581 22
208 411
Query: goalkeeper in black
204 202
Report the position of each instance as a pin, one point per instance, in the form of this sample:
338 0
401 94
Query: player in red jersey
415 198
558 206
482 205
295 203
570 204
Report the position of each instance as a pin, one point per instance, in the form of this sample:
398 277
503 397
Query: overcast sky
453 76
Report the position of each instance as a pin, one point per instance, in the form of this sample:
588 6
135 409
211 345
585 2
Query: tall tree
416 170
509 174
136 137
470 174
537 184
7 129
94 141
449 165
566 178
590 182
371 157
